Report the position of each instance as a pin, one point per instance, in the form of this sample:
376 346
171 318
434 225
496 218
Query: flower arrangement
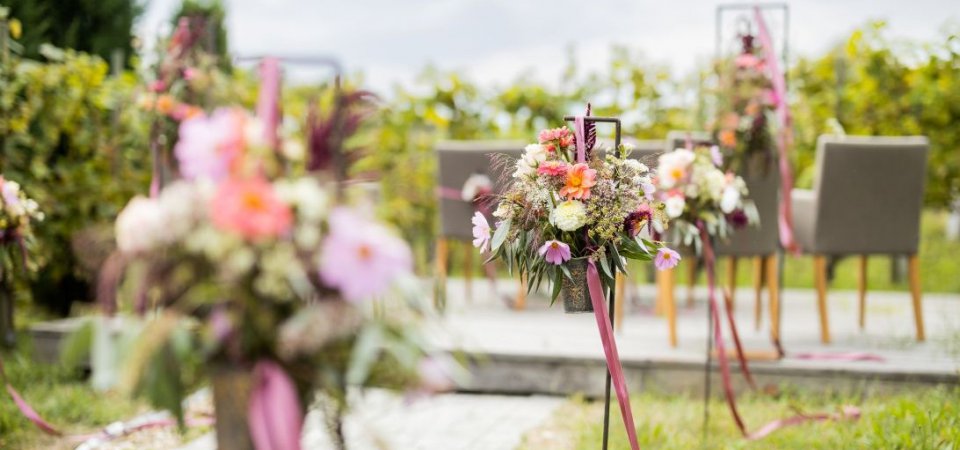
566 205
264 270
699 196
16 214
746 111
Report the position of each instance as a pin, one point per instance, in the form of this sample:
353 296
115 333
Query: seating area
479 225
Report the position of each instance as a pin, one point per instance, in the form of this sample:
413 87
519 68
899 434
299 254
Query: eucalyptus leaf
500 235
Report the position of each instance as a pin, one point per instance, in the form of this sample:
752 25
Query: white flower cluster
533 156
686 176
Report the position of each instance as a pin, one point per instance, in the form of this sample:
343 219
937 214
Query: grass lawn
920 419
61 396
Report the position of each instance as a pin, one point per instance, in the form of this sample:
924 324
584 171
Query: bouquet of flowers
16 214
746 111
699 197
567 206
265 272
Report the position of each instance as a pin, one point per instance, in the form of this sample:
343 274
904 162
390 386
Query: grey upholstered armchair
866 200
457 161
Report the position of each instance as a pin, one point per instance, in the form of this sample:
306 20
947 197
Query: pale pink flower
555 252
553 168
361 258
251 208
561 135
666 259
481 231
716 156
209 147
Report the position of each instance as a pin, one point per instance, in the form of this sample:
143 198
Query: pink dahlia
561 135
553 168
208 147
555 252
251 208
580 178
362 258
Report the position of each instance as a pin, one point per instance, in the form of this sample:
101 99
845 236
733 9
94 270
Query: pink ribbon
610 351
268 101
783 113
578 135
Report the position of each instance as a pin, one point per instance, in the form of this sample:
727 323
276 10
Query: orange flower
165 104
580 178
728 138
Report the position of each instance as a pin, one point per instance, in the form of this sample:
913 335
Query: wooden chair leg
820 280
731 282
661 283
521 302
620 295
773 288
758 268
468 271
443 251
669 304
862 289
915 291
691 282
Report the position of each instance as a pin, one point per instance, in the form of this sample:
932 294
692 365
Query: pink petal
275 415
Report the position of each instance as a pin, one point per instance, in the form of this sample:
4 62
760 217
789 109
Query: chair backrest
869 194
764 238
457 161
678 139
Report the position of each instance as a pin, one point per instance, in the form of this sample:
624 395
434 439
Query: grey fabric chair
457 161
867 199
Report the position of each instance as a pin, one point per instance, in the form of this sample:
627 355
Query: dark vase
576 294
232 385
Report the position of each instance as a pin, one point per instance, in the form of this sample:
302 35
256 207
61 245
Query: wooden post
668 303
758 270
440 294
468 271
916 293
731 282
521 294
820 280
773 290
862 288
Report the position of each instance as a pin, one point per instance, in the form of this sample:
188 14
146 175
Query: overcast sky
495 41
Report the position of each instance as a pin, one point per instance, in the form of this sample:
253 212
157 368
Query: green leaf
557 285
364 354
500 235
605 266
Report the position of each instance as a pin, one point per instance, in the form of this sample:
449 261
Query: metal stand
612 294
721 9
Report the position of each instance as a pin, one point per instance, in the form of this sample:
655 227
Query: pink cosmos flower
553 168
716 156
209 147
362 258
580 178
481 231
251 208
555 252
666 259
747 60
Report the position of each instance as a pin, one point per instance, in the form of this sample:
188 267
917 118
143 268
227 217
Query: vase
232 385
574 290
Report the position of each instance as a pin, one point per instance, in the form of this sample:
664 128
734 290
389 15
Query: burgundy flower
635 220
738 219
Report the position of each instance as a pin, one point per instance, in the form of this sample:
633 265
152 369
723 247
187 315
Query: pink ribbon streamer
847 356
849 412
578 135
783 113
610 351
268 100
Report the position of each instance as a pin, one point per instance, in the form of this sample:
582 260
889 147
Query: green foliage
214 14
874 85
72 137
98 27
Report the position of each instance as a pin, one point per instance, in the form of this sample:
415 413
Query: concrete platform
544 351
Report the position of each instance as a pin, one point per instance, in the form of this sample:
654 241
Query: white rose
140 226
674 206
730 199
